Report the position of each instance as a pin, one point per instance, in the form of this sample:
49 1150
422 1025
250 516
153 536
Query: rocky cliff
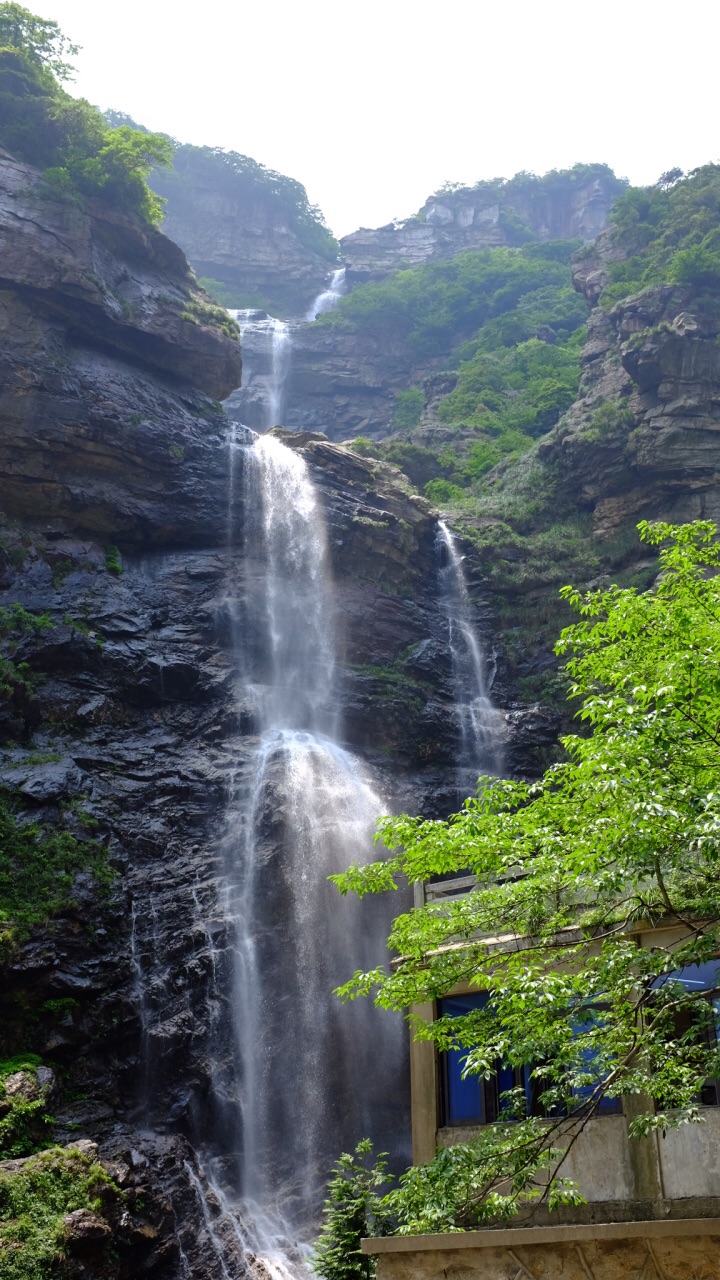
247 230
121 725
642 441
112 365
561 206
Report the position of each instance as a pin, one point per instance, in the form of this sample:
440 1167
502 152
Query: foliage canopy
67 137
33 1203
42 40
670 234
624 832
511 327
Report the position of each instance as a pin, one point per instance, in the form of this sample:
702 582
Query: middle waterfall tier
267 355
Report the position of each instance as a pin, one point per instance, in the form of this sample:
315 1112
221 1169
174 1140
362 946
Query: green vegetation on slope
36 1198
67 137
38 863
435 306
670 234
38 860
510 326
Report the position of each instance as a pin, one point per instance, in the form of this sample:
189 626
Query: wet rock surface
135 728
133 722
252 251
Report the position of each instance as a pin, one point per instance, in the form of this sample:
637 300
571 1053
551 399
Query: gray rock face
137 716
339 382
477 219
107 423
642 440
112 279
256 256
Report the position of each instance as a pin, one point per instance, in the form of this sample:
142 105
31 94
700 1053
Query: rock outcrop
643 439
111 365
239 240
484 217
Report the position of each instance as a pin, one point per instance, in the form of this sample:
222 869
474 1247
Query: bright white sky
374 105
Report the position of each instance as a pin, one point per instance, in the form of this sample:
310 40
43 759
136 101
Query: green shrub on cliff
67 137
17 623
24 1120
670 234
34 1202
408 408
38 864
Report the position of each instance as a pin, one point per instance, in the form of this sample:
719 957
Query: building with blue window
643 1196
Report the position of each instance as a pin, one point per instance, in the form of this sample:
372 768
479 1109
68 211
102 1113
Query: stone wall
649 1250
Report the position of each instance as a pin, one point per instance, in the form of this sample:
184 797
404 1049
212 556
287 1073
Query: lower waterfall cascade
312 1073
297 1077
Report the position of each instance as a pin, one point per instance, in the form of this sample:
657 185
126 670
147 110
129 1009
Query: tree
68 138
625 830
354 1208
40 39
669 178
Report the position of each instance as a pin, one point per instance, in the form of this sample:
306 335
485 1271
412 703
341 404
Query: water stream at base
314 1076
480 725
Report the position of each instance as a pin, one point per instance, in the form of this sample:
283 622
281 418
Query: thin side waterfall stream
313 1076
329 298
480 725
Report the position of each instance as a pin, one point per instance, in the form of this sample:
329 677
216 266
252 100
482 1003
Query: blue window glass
469 1100
463 1098
699 977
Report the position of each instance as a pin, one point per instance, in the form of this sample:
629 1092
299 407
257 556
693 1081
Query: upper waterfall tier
329 298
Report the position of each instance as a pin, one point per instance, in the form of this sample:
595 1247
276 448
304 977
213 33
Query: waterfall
480 725
280 347
329 298
313 1075
267 354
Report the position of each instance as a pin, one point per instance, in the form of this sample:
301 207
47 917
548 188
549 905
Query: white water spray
267 355
312 1072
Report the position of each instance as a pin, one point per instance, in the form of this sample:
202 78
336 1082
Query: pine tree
353 1209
